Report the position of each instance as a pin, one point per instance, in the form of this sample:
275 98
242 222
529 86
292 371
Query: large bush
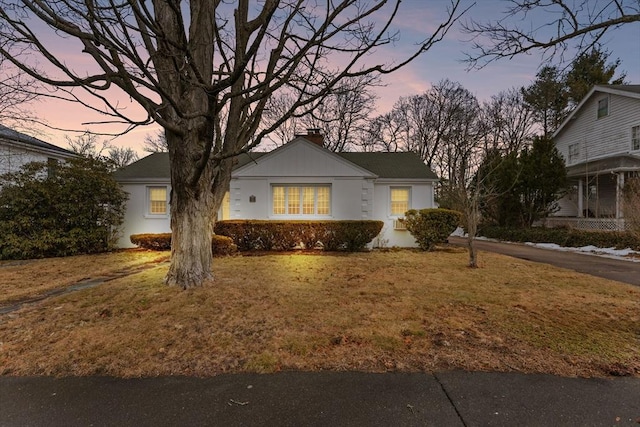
431 226
285 235
59 209
220 245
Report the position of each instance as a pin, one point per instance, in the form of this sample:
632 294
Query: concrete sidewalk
322 399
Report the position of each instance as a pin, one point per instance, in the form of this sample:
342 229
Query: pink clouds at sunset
416 21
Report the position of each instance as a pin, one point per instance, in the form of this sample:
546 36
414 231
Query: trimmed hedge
220 245
567 237
285 235
431 226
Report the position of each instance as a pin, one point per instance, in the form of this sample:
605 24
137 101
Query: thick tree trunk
192 210
191 228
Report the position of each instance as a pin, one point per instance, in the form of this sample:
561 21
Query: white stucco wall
137 220
422 197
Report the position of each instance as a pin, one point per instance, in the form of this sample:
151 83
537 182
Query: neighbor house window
635 138
603 107
400 200
301 200
158 200
574 152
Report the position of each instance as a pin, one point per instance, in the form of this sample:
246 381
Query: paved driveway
613 269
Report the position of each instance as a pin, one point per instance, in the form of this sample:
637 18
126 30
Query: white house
299 180
17 149
600 142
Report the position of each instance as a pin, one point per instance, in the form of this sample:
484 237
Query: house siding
12 158
600 137
136 219
421 198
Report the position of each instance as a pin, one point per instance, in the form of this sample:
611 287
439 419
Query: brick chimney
315 135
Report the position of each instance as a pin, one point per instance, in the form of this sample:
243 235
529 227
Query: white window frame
635 138
605 106
574 153
399 187
300 188
148 212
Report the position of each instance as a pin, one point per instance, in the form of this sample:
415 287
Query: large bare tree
548 25
204 70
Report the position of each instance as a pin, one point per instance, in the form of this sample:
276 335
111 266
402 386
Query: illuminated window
293 200
158 200
399 200
301 200
226 207
603 107
323 200
279 200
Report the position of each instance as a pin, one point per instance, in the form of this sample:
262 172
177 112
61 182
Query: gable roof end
631 91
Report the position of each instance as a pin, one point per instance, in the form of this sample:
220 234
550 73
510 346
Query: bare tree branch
552 26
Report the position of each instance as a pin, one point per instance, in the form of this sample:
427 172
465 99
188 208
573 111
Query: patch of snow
459 232
622 254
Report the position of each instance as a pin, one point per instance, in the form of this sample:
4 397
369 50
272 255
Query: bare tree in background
155 143
278 106
119 157
17 92
341 115
204 70
507 120
89 145
344 113
579 24
384 133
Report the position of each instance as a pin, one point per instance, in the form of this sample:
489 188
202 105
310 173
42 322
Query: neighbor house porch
595 200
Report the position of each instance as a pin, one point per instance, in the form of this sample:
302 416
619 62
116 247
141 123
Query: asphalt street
322 399
609 268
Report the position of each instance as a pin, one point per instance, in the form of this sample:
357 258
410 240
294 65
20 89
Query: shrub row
286 235
431 226
220 245
563 236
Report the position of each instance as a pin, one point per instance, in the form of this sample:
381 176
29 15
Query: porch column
619 199
580 198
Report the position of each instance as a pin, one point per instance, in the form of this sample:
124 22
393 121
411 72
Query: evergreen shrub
269 235
431 226
59 209
220 245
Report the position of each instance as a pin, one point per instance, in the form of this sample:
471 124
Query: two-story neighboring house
17 149
600 142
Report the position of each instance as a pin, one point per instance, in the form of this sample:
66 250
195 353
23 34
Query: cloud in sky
416 21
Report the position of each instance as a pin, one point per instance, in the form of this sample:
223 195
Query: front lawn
377 311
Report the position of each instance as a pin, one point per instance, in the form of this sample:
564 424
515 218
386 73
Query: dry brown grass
379 311
20 280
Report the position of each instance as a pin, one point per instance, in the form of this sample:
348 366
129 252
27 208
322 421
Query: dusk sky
417 18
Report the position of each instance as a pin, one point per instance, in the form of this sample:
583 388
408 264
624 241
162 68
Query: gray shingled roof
391 165
13 135
625 88
385 165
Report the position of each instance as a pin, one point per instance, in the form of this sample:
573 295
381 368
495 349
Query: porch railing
591 224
